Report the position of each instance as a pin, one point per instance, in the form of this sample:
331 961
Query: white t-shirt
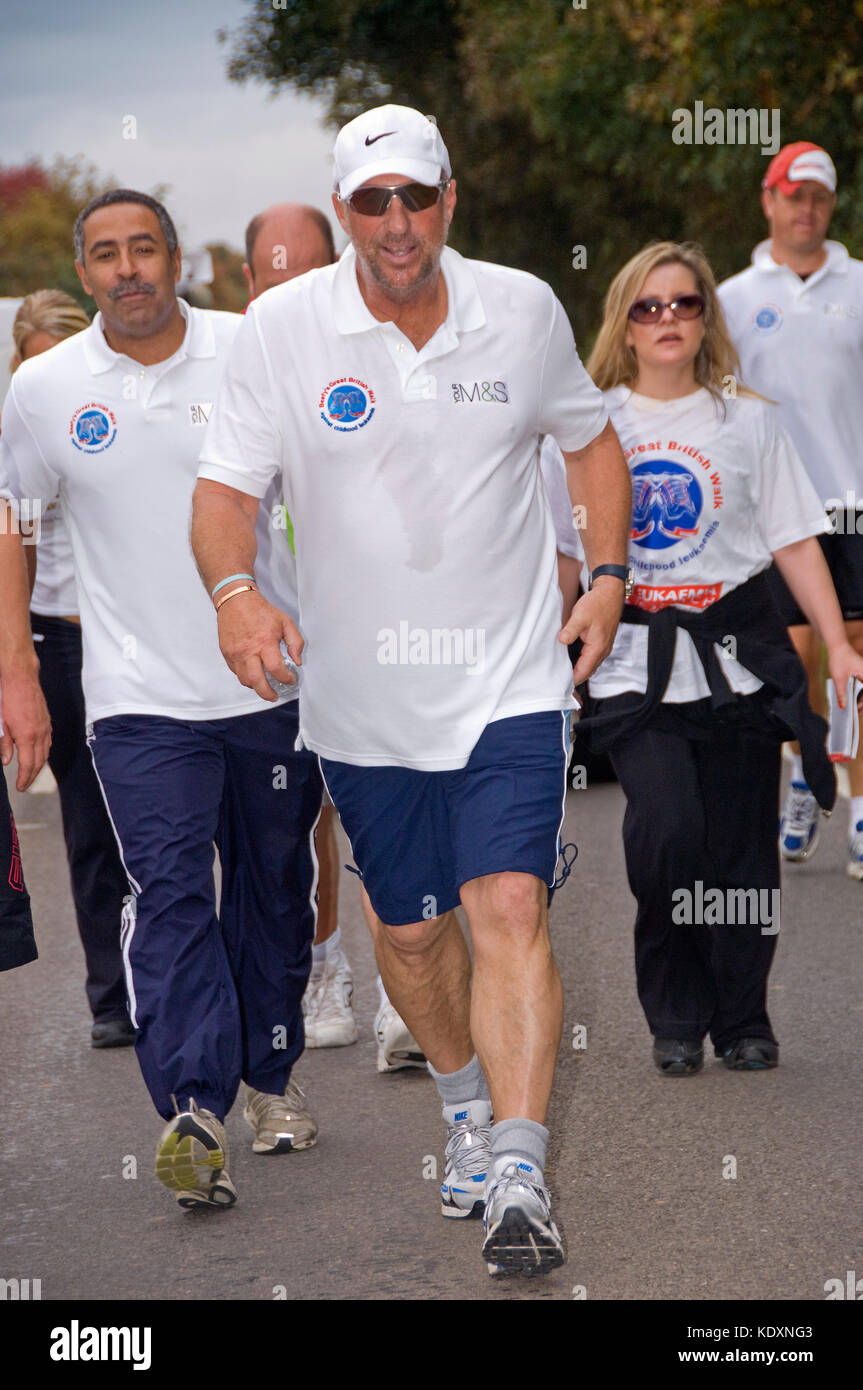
122 440
425 546
713 497
801 344
55 592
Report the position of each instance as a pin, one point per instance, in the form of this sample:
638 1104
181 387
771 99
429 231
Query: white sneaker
468 1158
799 824
396 1047
520 1236
854 867
327 1004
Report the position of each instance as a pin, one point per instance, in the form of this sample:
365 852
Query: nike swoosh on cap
370 139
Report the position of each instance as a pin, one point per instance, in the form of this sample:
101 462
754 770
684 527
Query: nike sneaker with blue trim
520 1236
468 1156
799 824
192 1159
854 867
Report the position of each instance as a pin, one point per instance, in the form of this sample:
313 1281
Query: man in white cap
796 318
403 395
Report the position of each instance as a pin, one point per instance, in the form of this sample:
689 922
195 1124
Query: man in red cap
796 318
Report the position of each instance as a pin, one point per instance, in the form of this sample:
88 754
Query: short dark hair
313 214
124 195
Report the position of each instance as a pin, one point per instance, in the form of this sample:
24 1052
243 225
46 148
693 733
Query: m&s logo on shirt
480 391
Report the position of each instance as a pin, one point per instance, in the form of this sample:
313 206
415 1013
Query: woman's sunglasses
415 197
685 306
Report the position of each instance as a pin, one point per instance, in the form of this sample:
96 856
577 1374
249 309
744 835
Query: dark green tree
559 114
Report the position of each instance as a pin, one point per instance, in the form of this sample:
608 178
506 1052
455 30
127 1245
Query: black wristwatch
622 572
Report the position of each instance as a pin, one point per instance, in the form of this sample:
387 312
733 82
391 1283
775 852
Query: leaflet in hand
844 723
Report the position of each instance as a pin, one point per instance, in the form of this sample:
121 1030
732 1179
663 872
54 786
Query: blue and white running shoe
520 1236
854 867
468 1155
799 824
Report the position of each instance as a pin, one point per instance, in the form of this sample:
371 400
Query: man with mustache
114 416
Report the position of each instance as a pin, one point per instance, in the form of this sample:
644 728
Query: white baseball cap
388 140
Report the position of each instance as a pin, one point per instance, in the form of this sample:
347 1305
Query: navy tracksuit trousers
216 997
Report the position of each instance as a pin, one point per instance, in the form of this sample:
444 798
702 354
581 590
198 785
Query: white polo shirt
801 344
425 546
121 441
715 493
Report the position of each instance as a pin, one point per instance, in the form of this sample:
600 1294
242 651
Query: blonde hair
613 363
46 311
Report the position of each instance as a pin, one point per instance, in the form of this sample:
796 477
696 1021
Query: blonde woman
702 685
98 881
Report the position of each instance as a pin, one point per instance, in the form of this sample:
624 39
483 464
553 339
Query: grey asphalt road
637 1165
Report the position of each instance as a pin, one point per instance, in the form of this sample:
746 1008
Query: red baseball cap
797 162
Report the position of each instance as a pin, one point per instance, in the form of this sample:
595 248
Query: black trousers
99 883
17 943
701 810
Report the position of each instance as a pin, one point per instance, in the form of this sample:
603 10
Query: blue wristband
228 580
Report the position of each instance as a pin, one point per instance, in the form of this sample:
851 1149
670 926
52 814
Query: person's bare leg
517 998
425 968
327 851
854 631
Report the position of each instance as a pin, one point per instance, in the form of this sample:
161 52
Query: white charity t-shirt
55 592
800 343
425 547
121 441
713 496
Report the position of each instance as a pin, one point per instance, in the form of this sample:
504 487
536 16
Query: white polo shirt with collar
121 441
425 546
801 344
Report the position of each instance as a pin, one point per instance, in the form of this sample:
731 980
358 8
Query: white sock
320 950
856 807
797 769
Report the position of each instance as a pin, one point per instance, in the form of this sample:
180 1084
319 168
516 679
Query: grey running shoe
282 1124
328 1015
468 1158
192 1159
799 824
520 1236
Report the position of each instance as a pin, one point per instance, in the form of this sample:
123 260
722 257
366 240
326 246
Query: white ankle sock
856 812
321 951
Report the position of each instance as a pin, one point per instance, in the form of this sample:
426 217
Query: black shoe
678 1056
750 1054
114 1032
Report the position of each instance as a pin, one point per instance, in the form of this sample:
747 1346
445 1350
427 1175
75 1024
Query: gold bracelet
241 589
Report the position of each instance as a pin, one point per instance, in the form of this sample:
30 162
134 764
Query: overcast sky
71 70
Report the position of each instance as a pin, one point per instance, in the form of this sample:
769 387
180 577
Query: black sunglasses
415 197
685 306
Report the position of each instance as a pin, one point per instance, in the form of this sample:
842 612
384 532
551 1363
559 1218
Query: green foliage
38 208
559 119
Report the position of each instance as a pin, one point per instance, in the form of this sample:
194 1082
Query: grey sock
468 1083
525 1139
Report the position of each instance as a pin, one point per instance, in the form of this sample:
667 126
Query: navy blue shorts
417 837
